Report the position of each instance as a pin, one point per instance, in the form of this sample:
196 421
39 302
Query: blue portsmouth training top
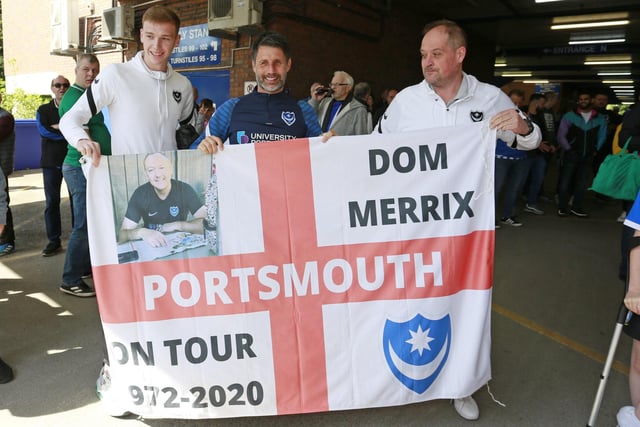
262 117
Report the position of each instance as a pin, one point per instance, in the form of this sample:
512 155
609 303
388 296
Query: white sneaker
467 408
627 417
103 390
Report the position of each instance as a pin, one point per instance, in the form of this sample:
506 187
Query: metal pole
620 321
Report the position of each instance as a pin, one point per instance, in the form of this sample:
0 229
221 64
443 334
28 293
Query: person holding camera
340 113
319 90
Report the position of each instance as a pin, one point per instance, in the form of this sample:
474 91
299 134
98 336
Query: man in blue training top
269 113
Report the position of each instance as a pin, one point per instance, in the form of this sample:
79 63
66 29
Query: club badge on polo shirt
476 116
289 117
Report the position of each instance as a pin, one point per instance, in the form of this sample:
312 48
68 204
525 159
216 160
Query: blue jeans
538 168
52 179
77 262
573 179
8 235
510 173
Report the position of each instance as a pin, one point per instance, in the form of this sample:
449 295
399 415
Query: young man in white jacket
145 97
146 101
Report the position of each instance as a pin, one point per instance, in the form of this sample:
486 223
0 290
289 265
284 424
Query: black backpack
185 135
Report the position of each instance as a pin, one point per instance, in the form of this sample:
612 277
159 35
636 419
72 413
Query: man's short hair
161 14
345 75
53 80
516 92
271 39
89 57
206 102
457 36
361 90
535 97
157 153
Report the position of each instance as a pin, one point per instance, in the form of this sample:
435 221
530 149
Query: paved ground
555 300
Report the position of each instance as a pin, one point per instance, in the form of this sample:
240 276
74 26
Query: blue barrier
28 148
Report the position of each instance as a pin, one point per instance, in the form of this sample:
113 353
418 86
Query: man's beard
270 88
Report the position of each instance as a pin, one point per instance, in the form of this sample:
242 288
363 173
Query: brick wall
375 45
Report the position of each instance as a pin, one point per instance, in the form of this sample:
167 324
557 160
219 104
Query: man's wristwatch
527 120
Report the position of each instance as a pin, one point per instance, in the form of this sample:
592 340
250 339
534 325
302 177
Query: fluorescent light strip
615 73
590 24
516 74
504 64
615 82
542 82
598 41
592 17
621 62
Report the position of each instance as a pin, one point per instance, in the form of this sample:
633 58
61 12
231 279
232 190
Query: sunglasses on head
59 85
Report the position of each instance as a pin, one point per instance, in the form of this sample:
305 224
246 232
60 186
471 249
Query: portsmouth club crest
476 116
174 211
289 117
417 350
177 95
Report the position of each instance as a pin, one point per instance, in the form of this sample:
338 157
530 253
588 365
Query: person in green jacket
77 264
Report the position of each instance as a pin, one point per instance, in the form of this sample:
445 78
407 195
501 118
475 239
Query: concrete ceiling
521 32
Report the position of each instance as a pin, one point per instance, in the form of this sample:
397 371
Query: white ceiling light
622 62
608 60
593 37
597 41
590 24
538 82
614 73
595 20
615 82
516 74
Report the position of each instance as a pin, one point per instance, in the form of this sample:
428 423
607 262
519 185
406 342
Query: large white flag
327 276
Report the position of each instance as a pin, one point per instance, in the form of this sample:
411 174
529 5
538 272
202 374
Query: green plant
23 105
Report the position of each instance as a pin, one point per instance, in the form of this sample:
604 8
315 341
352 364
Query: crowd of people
531 137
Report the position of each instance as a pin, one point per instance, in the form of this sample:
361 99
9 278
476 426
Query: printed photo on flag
155 192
